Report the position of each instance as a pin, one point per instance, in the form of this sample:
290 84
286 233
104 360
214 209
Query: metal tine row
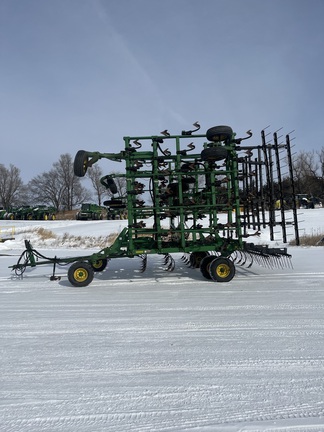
282 258
276 260
168 262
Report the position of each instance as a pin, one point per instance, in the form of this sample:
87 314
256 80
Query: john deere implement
202 195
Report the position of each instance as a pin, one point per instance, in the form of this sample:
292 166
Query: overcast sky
81 74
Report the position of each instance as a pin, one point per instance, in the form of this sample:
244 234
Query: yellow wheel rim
80 274
223 270
97 264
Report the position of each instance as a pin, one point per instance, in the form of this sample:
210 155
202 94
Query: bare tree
95 174
11 185
121 185
46 189
321 162
306 171
59 187
72 192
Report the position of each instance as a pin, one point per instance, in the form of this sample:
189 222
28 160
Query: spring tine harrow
269 257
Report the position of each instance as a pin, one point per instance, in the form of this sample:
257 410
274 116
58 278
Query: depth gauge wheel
222 270
80 274
100 265
81 163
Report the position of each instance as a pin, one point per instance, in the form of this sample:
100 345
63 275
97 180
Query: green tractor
90 211
43 212
24 212
6 214
3 213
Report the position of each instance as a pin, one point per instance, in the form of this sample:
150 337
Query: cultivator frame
203 198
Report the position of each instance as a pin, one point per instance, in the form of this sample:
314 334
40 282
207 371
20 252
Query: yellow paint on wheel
80 274
223 270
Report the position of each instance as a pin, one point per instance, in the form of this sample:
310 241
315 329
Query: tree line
58 187
61 189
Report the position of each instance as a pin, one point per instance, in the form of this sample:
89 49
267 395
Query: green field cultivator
27 212
201 195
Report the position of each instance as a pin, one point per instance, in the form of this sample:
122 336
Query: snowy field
159 351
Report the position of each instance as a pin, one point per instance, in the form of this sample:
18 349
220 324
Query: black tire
100 265
110 184
214 154
80 274
196 258
204 266
219 133
222 270
117 204
81 163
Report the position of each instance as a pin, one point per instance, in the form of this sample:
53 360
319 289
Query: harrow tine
186 259
234 257
288 261
251 259
171 265
239 257
278 262
243 258
166 259
168 262
144 262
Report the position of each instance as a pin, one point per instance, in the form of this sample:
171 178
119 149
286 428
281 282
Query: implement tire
196 258
219 133
81 163
205 264
212 154
100 265
111 185
222 270
80 274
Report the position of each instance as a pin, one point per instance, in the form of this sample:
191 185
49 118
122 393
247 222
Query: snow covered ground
159 351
